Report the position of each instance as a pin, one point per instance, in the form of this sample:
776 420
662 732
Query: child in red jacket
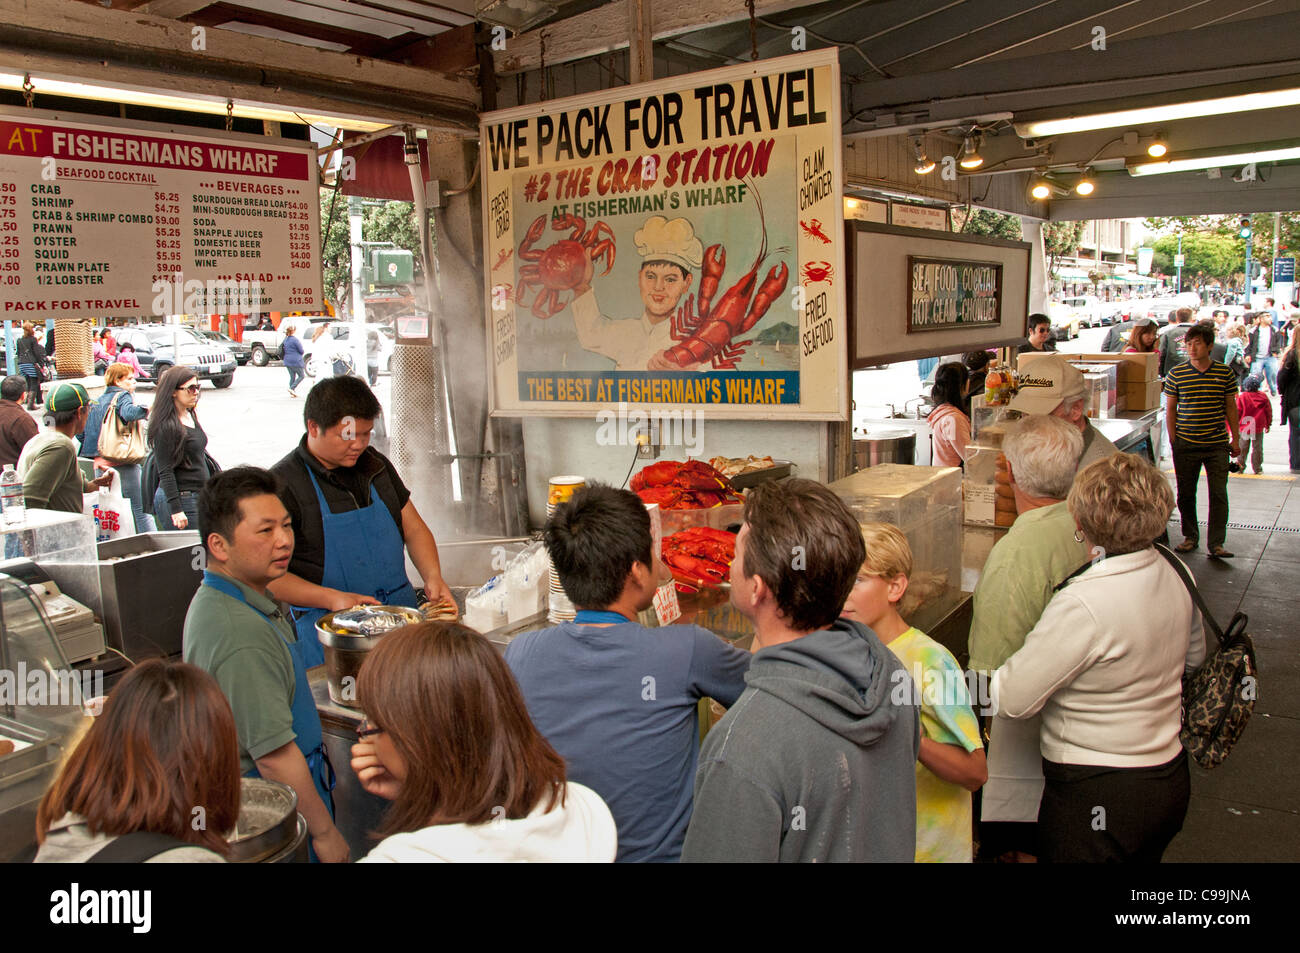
1256 413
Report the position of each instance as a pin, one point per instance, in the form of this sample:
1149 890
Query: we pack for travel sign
678 242
104 219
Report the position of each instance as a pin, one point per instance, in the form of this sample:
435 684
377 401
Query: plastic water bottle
11 496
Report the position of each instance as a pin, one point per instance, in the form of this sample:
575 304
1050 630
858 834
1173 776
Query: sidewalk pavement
1248 808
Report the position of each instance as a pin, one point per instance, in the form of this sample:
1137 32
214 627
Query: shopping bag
111 512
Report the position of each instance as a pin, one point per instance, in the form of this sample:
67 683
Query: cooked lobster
699 557
683 486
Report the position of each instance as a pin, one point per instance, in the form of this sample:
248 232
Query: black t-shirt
1048 348
344 488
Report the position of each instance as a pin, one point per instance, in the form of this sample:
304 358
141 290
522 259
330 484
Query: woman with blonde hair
119 391
448 740
1106 673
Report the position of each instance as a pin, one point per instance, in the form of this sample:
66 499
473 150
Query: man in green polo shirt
47 466
236 631
1201 408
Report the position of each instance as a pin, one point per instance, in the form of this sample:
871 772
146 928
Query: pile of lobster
683 486
699 557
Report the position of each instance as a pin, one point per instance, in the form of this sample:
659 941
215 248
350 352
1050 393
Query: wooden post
641 56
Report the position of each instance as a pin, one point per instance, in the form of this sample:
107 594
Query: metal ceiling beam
108 47
1119 195
1154 69
604 30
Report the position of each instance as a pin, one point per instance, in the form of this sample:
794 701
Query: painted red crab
815 272
559 268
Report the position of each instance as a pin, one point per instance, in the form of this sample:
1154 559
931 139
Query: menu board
101 219
676 243
949 293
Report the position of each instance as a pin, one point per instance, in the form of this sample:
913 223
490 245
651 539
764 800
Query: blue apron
364 553
306 721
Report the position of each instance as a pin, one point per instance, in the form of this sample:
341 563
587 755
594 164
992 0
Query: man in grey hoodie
815 761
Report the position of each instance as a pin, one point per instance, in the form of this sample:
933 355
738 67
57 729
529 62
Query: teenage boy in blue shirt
616 699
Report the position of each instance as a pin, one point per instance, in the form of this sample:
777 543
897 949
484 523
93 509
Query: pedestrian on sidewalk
31 357
1255 411
1263 349
16 424
293 360
1201 408
1288 382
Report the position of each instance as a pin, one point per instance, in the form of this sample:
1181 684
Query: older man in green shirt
1039 551
236 631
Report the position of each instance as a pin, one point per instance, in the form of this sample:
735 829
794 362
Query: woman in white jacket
448 740
1104 665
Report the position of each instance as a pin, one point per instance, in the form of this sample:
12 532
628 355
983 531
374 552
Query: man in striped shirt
1201 409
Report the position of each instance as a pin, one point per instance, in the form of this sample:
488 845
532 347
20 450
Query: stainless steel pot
345 651
268 820
886 445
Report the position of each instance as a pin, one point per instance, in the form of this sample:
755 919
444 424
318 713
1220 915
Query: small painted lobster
706 334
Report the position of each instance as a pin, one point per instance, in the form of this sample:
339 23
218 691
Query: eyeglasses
366 729
192 388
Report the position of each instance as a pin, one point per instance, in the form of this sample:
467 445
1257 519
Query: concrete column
1039 287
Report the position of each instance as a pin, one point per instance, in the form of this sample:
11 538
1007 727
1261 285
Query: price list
99 219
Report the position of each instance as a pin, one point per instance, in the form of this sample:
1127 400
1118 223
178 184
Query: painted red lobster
683 486
699 557
559 268
706 334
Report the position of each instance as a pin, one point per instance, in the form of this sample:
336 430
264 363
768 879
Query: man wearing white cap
1051 385
670 252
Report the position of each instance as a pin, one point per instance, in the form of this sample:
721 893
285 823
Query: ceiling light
1085 186
1157 149
516 15
1188 162
924 164
970 156
210 105
1040 189
1159 114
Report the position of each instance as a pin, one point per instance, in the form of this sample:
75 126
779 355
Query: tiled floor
1248 808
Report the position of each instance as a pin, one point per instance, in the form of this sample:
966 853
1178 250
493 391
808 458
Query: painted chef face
662 285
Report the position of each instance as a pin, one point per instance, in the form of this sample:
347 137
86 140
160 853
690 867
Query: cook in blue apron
364 553
306 722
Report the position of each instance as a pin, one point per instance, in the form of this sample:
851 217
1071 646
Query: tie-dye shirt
943 809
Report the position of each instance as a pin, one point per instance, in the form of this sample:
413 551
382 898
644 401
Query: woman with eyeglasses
179 448
448 740
119 389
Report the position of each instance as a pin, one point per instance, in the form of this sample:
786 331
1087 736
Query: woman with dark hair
31 357
977 368
948 421
163 750
448 740
179 449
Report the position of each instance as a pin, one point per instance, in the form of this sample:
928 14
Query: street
255 421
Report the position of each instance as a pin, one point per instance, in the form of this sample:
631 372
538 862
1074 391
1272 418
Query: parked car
241 351
161 346
336 342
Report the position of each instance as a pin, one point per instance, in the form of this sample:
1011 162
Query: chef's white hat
675 241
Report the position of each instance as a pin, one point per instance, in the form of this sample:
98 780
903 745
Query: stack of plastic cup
561 489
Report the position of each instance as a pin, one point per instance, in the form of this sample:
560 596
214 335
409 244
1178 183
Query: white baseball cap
1045 384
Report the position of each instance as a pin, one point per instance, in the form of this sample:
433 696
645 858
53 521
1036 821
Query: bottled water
11 496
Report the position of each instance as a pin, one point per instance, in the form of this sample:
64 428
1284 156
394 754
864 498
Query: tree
983 221
1228 227
1206 256
391 222
1060 240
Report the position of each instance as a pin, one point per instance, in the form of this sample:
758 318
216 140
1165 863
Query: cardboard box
1133 367
1143 395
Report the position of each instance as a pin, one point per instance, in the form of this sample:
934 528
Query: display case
988 499
41 699
54 552
1101 386
926 504
988 422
